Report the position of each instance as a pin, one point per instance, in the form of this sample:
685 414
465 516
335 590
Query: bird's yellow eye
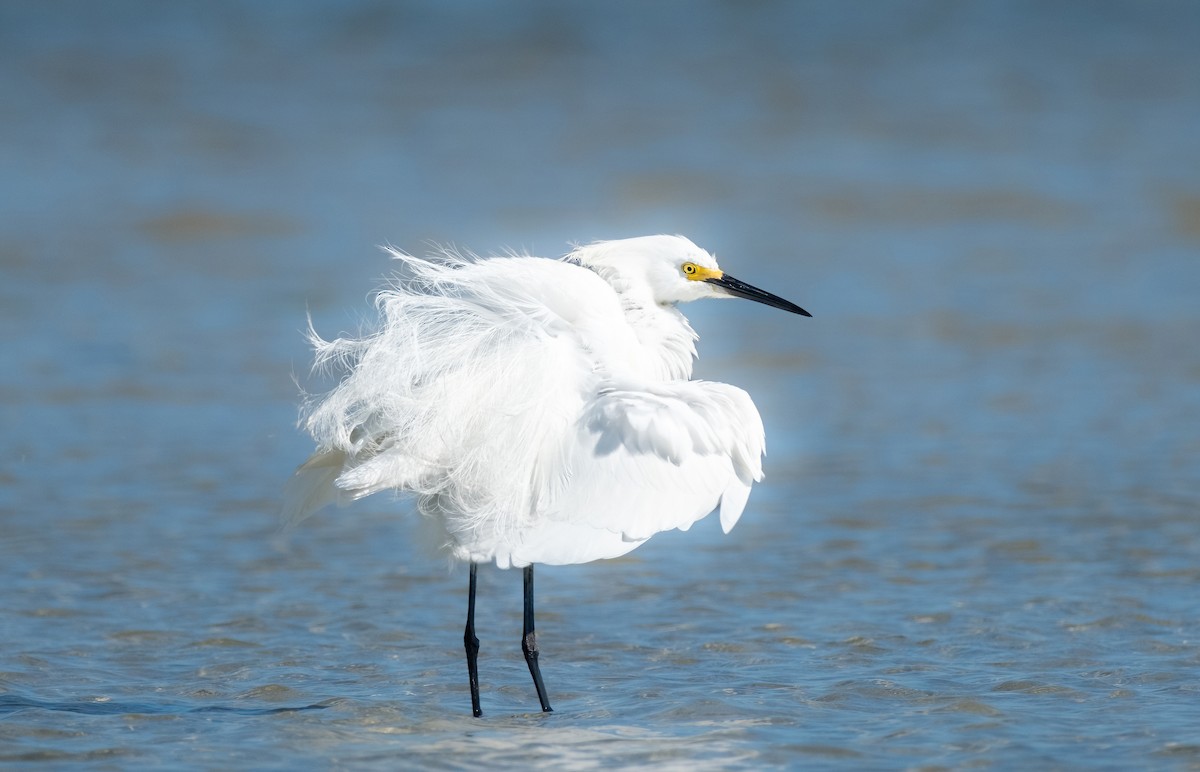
693 272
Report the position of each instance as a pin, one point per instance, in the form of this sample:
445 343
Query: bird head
669 270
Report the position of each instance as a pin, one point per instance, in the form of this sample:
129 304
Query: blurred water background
978 542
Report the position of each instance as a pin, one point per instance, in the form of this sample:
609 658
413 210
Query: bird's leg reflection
472 645
529 642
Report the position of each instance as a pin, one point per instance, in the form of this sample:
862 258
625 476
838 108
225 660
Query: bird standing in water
540 411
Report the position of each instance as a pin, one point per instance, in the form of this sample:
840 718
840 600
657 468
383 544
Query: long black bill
741 289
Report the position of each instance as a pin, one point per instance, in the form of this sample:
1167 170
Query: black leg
472 645
529 642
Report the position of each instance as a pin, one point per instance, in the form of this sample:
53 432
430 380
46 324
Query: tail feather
312 486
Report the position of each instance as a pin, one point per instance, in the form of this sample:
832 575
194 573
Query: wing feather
649 457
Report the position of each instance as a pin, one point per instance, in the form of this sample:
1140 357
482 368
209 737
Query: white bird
541 411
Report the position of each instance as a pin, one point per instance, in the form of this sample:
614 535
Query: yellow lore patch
695 272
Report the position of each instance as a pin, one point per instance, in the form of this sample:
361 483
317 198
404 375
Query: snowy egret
541 411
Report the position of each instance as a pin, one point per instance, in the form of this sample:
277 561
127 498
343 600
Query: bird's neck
668 341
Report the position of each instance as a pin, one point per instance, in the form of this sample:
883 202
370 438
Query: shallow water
978 543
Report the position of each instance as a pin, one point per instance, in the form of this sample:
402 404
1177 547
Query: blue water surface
978 542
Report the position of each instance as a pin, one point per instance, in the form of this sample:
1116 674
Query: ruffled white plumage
539 409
